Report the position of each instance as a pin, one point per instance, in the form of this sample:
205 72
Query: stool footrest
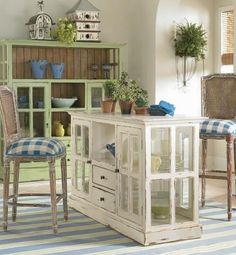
59 197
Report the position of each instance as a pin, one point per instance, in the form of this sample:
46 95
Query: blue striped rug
32 234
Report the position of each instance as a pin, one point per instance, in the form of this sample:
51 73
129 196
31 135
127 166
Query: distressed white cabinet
147 190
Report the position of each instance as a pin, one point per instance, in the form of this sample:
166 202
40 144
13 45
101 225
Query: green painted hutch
83 77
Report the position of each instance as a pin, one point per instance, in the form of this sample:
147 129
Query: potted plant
126 91
141 102
65 31
109 103
190 45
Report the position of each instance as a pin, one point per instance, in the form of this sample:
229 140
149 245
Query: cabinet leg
203 179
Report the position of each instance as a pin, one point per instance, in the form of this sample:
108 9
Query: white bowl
63 102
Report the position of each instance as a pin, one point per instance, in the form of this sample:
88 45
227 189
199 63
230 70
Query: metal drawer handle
102 199
103 177
89 161
117 170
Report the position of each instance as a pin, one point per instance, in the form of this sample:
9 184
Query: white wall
187 100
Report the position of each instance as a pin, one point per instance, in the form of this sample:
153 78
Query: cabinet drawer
104 177
103 199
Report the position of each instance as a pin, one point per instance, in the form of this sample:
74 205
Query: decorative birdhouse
86 17
40 25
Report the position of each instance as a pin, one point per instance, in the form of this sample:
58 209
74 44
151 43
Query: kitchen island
137 174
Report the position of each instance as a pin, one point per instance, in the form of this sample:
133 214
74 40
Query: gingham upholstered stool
18 149
219 129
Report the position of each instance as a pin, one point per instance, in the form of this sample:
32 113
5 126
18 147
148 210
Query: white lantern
86 17
40 25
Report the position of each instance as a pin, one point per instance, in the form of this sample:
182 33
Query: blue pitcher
38 68
57 70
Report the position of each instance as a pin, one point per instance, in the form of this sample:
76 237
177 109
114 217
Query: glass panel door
95 95
184 199
160 150
160 202
129 164
184 149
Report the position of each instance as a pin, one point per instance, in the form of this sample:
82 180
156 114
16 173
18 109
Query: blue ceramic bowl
63 102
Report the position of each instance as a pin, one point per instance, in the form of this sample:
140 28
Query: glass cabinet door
171 188
33 108
95 95
129 164
81 146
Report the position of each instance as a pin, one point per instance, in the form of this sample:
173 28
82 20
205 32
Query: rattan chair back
9 115
219 96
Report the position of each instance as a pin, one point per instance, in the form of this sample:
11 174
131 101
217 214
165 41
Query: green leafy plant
126 89
109 87
65 31
190 41
142 99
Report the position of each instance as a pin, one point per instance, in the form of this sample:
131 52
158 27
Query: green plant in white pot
190 46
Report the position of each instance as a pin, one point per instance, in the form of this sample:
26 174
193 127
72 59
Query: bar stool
38 149
219 104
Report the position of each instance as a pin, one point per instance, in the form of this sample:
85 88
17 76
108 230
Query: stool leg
15 189
64 186
52 177
230 168
203 182
6 179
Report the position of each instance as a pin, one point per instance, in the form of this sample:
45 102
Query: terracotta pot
107 106
141 110
125 106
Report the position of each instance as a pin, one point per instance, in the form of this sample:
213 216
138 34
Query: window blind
227 37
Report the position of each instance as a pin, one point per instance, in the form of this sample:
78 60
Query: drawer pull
102 199
89 161
117 171
103 177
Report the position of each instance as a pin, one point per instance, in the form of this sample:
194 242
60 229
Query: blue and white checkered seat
218 127
38 146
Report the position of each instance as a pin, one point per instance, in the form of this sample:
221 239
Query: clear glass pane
135 153
86 177
184 149
160 202
96 97
160 150
184 199
83 172
78 139
135 196
38 124
124 151
78 174
38 98
85 141
23 98
124 193
25 123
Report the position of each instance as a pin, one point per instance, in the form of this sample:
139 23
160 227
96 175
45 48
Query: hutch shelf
148 190
86 66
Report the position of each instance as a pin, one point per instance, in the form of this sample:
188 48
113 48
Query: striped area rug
32 234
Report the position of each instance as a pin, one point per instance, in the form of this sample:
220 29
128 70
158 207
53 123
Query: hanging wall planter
190 46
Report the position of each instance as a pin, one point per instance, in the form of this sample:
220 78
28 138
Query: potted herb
190 45
126 91
141 102
109 103
65 31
